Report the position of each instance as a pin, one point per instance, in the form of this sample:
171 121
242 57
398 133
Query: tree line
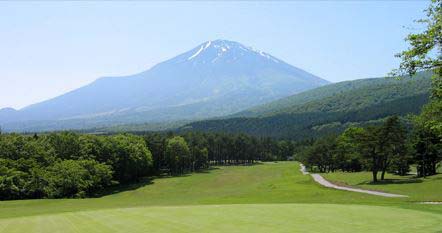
389 147
68 164
329 109
195 150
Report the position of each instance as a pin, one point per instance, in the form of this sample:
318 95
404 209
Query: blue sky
49 48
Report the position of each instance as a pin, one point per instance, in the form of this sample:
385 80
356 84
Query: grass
418 189
271 197
232 218
264 183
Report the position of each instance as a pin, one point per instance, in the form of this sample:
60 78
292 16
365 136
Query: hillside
344 96
216 78
327 109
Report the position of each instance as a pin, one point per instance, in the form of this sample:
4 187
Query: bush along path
319 179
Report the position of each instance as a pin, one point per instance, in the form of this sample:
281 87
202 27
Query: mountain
327 109
7 113
216 78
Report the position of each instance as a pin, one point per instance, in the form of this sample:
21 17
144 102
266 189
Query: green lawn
232 218
271 197
266 183
418 189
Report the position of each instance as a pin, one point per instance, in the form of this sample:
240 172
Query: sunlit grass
266 197
232 218
418 189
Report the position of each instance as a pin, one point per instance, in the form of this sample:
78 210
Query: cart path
319 179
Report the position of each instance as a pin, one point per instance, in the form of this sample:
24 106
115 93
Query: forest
299 126
329 109
72 165
388 147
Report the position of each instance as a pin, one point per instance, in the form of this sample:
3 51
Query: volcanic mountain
216 78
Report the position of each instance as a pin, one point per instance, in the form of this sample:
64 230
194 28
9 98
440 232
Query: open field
232 218
263 183
418 189
261 198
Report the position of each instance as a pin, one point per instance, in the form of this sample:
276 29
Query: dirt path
319 179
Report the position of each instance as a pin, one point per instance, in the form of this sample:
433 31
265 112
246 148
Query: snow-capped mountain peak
215 78
223 50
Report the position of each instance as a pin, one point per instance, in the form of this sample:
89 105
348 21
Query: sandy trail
319 179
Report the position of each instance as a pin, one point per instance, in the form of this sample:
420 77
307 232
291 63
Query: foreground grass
418 189
232 218
270 197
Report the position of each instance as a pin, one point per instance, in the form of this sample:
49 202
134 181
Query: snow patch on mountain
203 47
214 50
196 54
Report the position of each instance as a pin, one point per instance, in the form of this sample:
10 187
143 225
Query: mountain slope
214 79
344 96
327 109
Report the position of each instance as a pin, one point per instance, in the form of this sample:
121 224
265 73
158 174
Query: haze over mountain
216 78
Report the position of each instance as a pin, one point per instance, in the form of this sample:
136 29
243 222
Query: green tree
322 155
129 157
200 158
392 143
427 151
12 181
157 144
77 178
36 184
348 155
368 143
286 149
91 147
65 144
425 53
178 155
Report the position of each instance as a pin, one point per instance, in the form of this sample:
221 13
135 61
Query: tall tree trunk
384 167
383 174
375 169
433 168
375 176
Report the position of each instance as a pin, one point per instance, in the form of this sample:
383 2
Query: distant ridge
216 78
328 109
